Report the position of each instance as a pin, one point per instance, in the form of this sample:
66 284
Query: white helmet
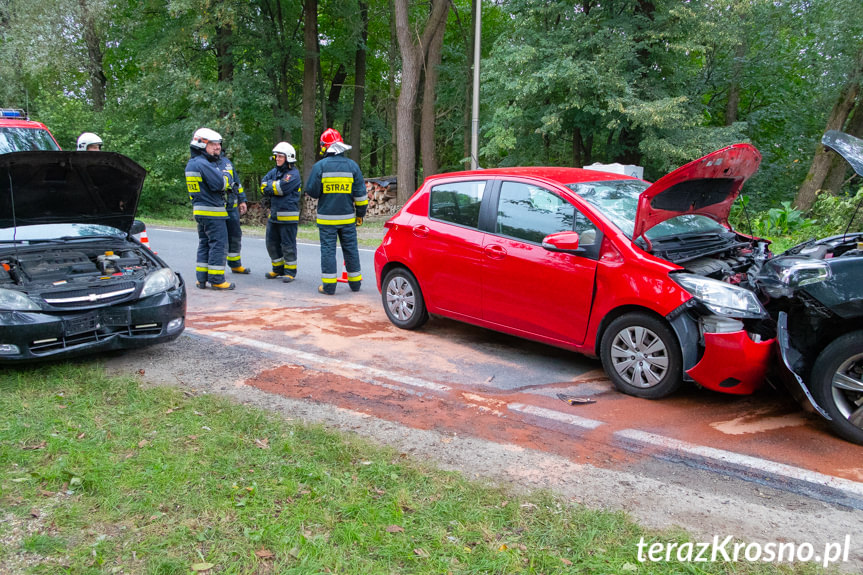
286 150
88 139
203 136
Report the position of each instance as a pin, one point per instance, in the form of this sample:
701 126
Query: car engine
727 257
72 268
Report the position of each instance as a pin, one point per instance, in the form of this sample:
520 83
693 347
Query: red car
650 278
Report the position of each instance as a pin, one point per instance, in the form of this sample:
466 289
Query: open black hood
69 187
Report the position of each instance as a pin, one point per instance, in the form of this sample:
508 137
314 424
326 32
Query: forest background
656 83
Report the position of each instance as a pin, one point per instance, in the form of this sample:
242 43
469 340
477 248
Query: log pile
382 196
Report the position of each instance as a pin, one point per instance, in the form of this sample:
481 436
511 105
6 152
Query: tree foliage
651 82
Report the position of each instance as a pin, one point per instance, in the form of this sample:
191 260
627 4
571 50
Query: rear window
25 140
457 202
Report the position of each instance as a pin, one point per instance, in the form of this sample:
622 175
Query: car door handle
421 231
495 252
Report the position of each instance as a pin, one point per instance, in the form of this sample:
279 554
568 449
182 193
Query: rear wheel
641 355
837 384
403 299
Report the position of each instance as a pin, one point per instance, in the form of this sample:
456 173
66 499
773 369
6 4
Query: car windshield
25 140
51 232
618 201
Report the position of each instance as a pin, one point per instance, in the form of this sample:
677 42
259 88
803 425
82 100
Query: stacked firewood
382 202
382 196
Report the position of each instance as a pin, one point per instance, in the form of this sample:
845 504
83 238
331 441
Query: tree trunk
335 93
224 53
391 102
732 106
98 81
359 87
310 66
412 57
427 114
821 162
577 149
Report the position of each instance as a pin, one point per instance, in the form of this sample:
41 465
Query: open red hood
707 186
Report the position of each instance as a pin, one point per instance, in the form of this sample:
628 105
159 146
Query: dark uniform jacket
337 183
234 198
206 185
282 186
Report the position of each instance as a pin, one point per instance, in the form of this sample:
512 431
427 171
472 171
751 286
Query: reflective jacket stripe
288 216
210 211
361 200
335 219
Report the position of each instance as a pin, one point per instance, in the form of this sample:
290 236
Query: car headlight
722 298
16 301
159 281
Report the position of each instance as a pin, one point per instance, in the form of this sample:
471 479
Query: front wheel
403 300
641 356
837 384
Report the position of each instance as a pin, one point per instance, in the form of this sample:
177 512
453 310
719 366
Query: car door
449 248
526 287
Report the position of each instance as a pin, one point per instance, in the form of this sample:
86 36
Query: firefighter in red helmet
337 183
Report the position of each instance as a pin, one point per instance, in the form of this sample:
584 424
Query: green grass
107 477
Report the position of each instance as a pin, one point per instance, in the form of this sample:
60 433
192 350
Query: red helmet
330 137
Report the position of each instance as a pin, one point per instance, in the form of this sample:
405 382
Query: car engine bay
73 267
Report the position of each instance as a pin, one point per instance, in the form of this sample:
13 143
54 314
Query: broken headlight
721 298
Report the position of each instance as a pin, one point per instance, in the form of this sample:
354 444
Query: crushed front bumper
37 336
727 362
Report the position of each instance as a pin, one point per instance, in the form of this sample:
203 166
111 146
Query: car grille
43 347
87 297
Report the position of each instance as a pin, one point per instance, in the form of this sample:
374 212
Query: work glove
359 221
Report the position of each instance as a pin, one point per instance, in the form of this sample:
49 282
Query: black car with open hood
72 278
815 290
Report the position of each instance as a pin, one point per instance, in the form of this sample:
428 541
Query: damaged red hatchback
650 278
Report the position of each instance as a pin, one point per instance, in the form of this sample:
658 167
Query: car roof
548 173
21 123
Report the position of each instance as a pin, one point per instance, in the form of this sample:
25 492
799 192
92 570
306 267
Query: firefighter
207 186
337 183
89 142
236 205
281 187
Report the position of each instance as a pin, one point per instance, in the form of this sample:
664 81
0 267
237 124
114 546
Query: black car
816 293
73 280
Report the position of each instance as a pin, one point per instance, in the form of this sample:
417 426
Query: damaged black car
815 290
73 280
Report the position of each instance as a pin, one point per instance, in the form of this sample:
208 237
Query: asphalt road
491 374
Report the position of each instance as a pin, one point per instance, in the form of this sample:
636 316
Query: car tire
642 356
403 300
837 384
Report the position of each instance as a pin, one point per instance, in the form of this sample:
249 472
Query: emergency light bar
11 113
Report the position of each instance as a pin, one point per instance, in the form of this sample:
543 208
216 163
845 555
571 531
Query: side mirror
566 242
137 227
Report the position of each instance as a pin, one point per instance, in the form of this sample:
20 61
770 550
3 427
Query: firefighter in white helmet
281 186
89 142
207 186
236 205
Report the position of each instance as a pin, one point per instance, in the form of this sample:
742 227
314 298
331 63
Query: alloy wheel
639 356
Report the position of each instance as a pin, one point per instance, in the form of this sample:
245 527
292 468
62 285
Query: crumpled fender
732 363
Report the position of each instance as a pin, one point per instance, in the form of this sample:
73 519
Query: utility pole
474 130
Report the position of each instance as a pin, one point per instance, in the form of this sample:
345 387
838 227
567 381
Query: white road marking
773 474
328 364
558 416
722 460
